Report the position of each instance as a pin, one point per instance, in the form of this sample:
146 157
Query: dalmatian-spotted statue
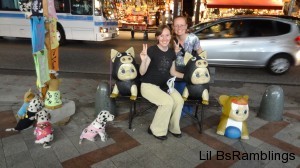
43 130
35 105
97 127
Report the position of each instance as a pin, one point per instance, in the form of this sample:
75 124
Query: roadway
93 59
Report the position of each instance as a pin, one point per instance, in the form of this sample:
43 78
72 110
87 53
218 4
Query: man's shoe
176 135
158 137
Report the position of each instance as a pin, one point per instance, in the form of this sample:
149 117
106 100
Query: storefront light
103 30
97 4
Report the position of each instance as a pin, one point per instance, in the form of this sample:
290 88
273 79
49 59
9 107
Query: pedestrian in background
188 19
163 18
157 67
170 19
157 17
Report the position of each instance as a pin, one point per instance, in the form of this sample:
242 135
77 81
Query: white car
252 41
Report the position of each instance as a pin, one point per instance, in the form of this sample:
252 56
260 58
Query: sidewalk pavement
277 143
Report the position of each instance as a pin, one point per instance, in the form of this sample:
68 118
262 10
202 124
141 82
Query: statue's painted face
127 70
239 110
124 65
200 75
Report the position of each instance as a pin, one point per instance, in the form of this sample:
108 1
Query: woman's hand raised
176 47
143 54
145 60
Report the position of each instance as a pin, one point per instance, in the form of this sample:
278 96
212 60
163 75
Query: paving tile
7 120
255 123
138 151
176 146
266 148
31 145
104 164
42 157
198 154
294 163
253 141
13 145
150 160
58 133
243 147
28 134
168 156
101 144
20 160
146 139
212 132
71 129
190 142
2 157
290 134
81 120
6 106
1 145
86 145
192 156
277 164
64 149
247 164
124 160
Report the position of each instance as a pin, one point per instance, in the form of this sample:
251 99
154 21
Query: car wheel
61 37
279 65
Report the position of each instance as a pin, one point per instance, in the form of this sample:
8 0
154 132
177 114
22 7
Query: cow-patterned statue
124 71
197 78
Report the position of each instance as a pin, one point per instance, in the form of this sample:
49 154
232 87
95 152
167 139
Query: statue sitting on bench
124 71
197 78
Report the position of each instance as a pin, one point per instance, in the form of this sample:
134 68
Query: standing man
170 19
157 17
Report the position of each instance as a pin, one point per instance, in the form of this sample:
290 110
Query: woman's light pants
168 113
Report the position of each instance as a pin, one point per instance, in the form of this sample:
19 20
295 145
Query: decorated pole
45 45
51 42
60 111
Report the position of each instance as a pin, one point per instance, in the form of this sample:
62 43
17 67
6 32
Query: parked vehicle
199 26
285 17
252 41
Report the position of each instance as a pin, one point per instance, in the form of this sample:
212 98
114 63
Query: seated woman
157 64
184 42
